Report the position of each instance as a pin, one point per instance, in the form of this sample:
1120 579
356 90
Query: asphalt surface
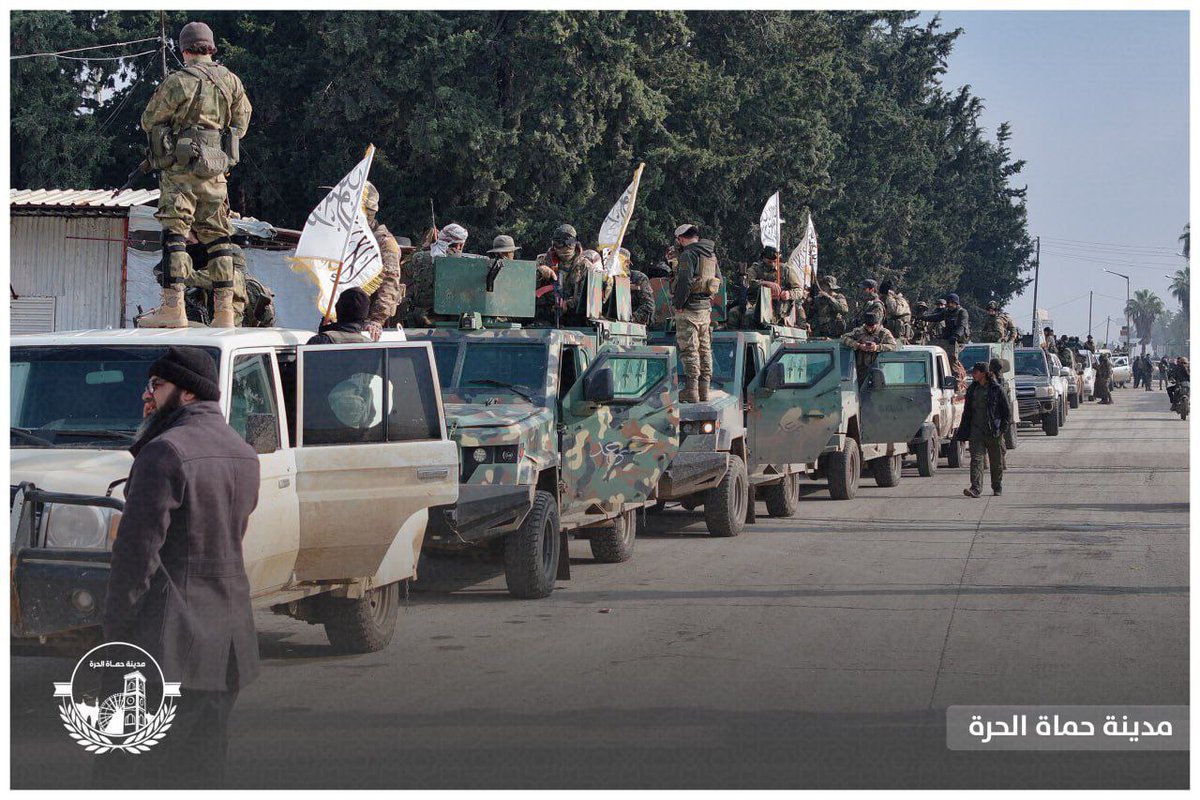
817 651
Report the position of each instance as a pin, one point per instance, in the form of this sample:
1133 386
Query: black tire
1074 400
531 554
725 504
1010 437
887 470
843 470
927 458
956 455
363 625
1050 423
614 545
783 498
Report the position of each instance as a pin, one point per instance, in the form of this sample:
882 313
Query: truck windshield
1031 362
973 353
908 372
469 371
79 395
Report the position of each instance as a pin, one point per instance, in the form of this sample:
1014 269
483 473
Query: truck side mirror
949 382
598 386
875 378
774 379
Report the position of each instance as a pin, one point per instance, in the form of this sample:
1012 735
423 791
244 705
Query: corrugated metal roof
82 198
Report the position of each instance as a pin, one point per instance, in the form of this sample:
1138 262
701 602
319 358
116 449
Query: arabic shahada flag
804 256
612 231
769 222
337 249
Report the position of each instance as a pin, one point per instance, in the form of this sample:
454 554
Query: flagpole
337 277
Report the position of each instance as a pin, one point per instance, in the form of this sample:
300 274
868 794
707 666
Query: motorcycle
1183 399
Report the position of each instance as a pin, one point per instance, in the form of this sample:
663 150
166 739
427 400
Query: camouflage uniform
202 279
897 318
197 102
791 293
697 279
572 276
642 297
872 305
390 292
864 359
420 289
830 310
997 328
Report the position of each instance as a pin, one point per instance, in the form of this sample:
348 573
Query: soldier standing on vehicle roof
898 316
450 241
390 292
920 326
956 325
830 309
195 120
787 292
641 293
871 302
564 258
998 327
697 280
868 341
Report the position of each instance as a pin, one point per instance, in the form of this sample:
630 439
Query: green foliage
1181 286
1143 308
517 121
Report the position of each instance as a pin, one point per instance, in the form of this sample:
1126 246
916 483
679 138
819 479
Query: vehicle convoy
985 351
1073 373
352 448
718 464
561 430
1085 364
1041 389
926 368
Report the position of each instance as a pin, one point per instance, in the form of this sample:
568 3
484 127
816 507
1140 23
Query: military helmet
992 304
951 297
922 304
687 229
624 251
565 234
503 244
371 198
195 33
871 318
870 284
828 282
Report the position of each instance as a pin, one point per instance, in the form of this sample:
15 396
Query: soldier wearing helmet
565 261
998 327
390 293
782 280
871 303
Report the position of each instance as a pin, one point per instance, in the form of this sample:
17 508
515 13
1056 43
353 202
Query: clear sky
1098 102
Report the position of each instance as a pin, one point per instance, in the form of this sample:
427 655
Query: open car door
373 454
620 430
795 405
895 411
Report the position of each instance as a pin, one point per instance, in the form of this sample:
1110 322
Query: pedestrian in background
986 416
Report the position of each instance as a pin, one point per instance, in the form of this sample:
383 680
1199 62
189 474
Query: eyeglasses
153 385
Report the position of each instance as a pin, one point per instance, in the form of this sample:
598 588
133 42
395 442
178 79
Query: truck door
254 412
895 411
619 430
795 403
373 454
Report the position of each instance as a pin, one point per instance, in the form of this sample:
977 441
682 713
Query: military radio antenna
162 40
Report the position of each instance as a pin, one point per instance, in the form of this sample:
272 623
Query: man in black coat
178 586
986 416
352 309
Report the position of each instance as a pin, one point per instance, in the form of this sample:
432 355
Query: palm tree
1185 239
1181 286
1143 309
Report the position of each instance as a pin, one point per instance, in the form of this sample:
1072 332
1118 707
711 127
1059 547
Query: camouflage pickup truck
718 465
806 407
561 431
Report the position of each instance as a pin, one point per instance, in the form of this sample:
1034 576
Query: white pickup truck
927 368
353 452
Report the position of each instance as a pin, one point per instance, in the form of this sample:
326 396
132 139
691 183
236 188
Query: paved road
816 651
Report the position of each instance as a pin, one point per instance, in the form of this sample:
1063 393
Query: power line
1109 244
105 58
1114 261
1102 253
81 49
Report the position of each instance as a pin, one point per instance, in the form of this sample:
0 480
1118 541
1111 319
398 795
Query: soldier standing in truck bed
830 309
697 280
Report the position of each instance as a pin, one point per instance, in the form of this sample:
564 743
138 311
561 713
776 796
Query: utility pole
1106 327
1090 311
1037 268
162 40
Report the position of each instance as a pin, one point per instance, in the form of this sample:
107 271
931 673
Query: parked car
1041 389
1070 369
1086 364
1122 371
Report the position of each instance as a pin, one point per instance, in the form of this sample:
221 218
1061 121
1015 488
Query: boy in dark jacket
986 417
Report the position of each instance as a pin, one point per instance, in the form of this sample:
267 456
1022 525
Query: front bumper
56 592
1031 408
483 511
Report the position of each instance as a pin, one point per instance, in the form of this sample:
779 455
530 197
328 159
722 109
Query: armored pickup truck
806 406
717 466
561 430
352 448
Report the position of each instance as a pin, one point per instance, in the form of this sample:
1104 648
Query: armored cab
565 420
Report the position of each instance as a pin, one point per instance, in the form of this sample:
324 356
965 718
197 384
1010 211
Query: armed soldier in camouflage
697 279
787 292
897 315
390 292
830 309
195 121
450 242
919 325
998 327
641 293
868 341
564 258
871 304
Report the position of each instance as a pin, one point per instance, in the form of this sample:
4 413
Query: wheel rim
380 604
855 469
628 523
931 448
793 488
548 534
739 498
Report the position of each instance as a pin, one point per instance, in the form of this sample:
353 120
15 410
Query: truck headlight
1044 391
494 454
698 426
80 527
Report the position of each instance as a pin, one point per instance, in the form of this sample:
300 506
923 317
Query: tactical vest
204 152
705 282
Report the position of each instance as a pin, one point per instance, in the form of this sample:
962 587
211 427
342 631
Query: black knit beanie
191 369
353 305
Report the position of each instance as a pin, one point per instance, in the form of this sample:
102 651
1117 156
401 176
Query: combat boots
222 308
690 391
702 388
170 314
